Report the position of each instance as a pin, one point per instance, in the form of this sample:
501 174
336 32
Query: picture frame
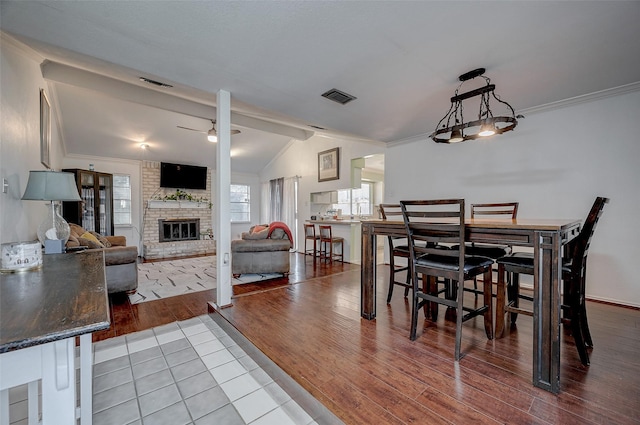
45 130
329 165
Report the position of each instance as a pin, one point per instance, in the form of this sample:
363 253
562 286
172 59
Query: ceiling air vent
155 83
338 96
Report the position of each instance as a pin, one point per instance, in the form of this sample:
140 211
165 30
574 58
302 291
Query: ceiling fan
212 134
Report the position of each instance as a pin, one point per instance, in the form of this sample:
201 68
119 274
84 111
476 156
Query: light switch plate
5 185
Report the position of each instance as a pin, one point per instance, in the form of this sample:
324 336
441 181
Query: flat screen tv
182 176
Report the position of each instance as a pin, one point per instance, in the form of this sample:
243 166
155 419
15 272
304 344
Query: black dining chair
574 272
429 223
494 210
398 248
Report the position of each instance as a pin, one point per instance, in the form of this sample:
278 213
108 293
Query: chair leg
514 295
500 301
392 268
584 325
414 310
582 307
408 282
488 301
475 287
459 315
576 331
315 250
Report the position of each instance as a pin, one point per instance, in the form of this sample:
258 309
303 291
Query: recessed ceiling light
155 83
143 146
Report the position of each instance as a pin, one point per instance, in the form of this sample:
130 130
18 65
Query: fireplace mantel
177 204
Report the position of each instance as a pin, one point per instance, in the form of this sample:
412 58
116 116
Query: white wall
301 158
554 163
21 81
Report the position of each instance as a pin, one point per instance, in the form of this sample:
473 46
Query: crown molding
8 40
589 97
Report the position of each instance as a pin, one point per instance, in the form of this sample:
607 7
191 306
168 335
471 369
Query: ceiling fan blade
205 131
192 129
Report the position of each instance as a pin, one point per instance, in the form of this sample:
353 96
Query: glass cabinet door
95 211
88 205
105 185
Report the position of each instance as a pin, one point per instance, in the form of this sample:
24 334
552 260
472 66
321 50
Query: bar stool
310 234
326 238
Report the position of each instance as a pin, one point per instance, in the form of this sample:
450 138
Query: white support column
223 197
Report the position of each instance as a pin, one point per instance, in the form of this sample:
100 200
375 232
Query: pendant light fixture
453 129
212 135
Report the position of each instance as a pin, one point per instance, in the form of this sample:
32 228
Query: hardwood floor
370 372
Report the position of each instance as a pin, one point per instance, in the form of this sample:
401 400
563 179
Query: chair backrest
391 211
309 231
433 222
579 247
504 208
325 232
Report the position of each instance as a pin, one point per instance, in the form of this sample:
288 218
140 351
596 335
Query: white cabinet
324 197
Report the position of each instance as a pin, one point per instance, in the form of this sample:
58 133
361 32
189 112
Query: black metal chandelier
452 128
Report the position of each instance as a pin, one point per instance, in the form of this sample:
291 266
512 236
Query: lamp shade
51 186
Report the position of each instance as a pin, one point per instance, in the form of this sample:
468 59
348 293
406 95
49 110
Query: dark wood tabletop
65 298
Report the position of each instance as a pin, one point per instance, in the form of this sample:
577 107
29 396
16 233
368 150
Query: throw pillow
278 234
104 241
73 241
257 228
90 243
262 234
88 236
76 230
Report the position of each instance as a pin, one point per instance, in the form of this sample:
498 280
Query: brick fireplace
174 229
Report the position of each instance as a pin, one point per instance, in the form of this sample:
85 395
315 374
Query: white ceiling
400 59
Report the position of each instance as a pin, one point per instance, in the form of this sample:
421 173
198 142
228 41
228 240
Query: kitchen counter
346 228
335 221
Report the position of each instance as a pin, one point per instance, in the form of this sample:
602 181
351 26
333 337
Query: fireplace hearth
178 229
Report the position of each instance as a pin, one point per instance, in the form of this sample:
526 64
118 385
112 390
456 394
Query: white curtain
279 200
265 209
288 210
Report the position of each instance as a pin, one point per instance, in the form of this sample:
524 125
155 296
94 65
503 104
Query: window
240 203
355 201
121 200
361 199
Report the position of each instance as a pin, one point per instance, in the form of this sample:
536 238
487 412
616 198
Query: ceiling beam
107 86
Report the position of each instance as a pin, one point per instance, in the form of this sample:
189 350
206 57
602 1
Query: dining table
545 236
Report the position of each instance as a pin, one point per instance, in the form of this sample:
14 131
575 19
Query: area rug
164 279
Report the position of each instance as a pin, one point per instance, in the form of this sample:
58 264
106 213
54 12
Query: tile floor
199 371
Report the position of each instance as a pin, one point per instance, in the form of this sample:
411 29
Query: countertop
66 297
336 221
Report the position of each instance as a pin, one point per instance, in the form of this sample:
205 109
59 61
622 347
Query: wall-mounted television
182 176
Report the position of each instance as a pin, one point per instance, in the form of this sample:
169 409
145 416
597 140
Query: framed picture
45 130
329 165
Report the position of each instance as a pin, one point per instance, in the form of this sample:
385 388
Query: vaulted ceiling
399 59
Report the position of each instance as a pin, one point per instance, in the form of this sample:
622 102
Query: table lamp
52 186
